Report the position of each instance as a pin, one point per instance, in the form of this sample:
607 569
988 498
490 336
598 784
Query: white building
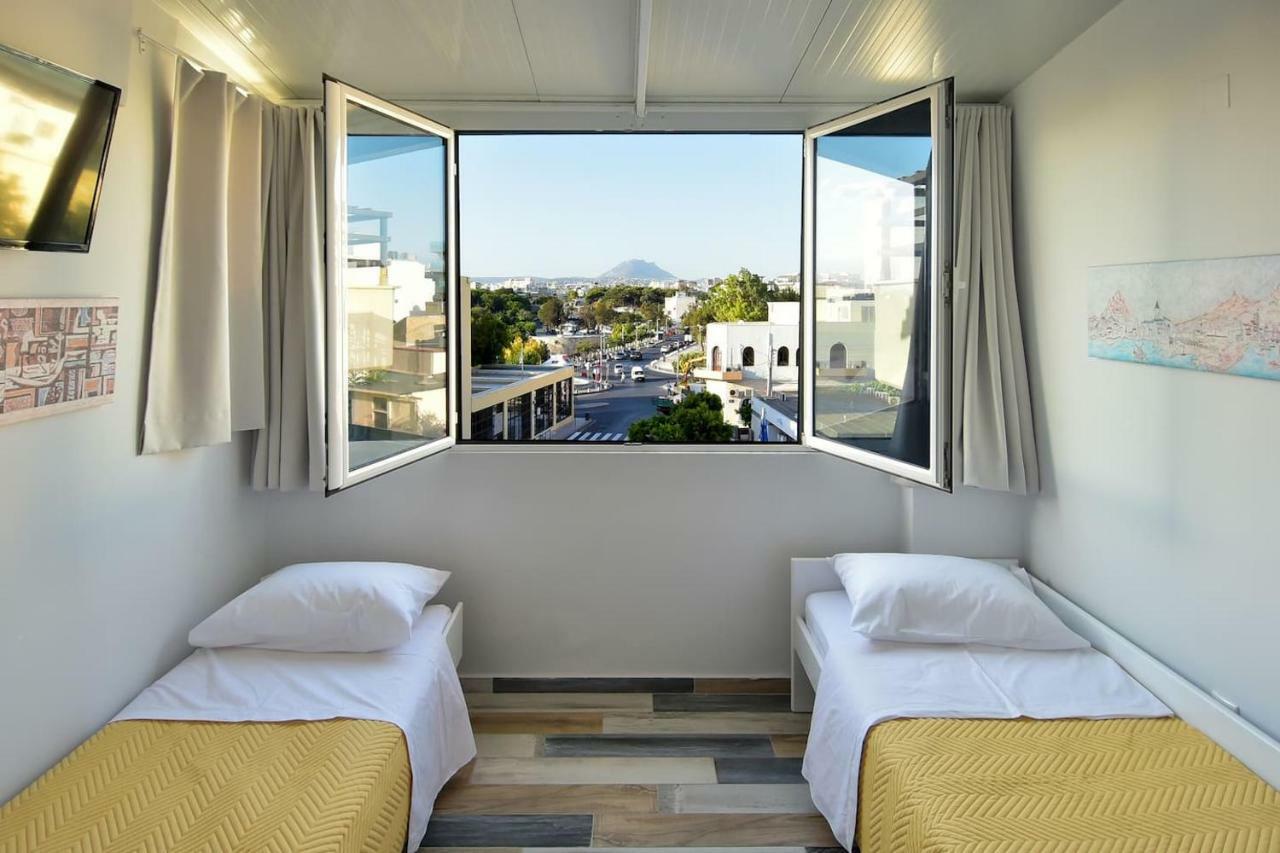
678 305
519 285
749 359
759 350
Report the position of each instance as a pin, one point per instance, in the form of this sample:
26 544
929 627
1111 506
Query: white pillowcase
324 607
924 598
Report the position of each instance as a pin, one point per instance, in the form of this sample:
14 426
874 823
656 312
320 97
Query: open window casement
876 295
391 285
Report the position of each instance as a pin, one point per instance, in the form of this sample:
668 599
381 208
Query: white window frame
337 95
938 473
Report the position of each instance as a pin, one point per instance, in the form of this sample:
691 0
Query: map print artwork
1220 315
56 355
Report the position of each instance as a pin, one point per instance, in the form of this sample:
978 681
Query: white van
637 374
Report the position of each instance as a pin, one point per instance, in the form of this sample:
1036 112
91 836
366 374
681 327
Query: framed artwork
1220 315
56 355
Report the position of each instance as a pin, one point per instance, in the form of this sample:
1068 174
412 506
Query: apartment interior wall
108 557
624 563
1153 137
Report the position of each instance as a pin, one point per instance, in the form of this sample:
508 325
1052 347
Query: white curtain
289 452
205 374
991 402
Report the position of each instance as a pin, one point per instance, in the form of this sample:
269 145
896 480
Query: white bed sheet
865 682
413 686
828 614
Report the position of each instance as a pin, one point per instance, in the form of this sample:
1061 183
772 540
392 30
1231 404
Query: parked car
637 374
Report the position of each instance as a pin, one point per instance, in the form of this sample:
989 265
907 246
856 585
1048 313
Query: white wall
628 563
1159 510
107 558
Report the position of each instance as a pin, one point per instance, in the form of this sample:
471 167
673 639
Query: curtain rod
144 39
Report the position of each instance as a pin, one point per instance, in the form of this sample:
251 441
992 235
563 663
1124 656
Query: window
633 267
389 235
529 334
877 269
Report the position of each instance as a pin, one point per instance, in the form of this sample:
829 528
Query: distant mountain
636 270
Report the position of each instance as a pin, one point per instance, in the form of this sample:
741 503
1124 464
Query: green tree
514 310
622 332
652 312
551 312
525 351
741 296
698 418
697 318
784 294
688 361
602 314
489 336
744 412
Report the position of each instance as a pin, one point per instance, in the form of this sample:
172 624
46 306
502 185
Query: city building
775 419
677 305
513 403
743 359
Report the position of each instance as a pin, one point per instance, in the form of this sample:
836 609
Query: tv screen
55 127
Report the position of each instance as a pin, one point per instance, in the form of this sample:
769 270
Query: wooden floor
689 764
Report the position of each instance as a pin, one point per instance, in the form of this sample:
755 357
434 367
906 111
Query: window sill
587 449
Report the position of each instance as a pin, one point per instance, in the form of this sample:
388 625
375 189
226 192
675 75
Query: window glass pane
872 284
394 282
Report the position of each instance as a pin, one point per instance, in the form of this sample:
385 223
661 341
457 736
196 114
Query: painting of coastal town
1220 315
56 355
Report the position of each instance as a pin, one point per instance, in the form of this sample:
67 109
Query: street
612 412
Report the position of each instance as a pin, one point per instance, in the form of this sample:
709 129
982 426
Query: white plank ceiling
596 51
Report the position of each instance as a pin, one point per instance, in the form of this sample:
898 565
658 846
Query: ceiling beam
644 23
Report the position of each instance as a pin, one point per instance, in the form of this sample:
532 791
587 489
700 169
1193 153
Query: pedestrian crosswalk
587 435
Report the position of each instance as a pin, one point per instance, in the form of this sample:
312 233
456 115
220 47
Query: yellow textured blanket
1119 786
172 786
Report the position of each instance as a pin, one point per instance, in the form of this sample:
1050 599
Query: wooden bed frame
1253 747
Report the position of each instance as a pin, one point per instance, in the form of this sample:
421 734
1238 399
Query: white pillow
324 607
923 598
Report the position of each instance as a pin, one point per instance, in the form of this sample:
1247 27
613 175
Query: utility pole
768 382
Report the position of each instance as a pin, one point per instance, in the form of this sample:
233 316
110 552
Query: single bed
1075 755
258 750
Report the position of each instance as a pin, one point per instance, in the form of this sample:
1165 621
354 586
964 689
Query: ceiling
638 54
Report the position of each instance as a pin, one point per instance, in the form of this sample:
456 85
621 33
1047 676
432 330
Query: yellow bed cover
1119 786
152 785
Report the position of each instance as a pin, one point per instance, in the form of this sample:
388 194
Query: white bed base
1253 747
453 635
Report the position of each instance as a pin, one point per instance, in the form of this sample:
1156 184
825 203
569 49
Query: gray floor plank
748 771
720 702
735 799
714 746
509 831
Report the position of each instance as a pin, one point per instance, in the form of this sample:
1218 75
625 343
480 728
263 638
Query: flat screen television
55 128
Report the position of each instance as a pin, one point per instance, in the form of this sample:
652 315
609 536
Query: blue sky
575 205
409 184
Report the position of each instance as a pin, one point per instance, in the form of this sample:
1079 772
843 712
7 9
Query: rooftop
506 377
